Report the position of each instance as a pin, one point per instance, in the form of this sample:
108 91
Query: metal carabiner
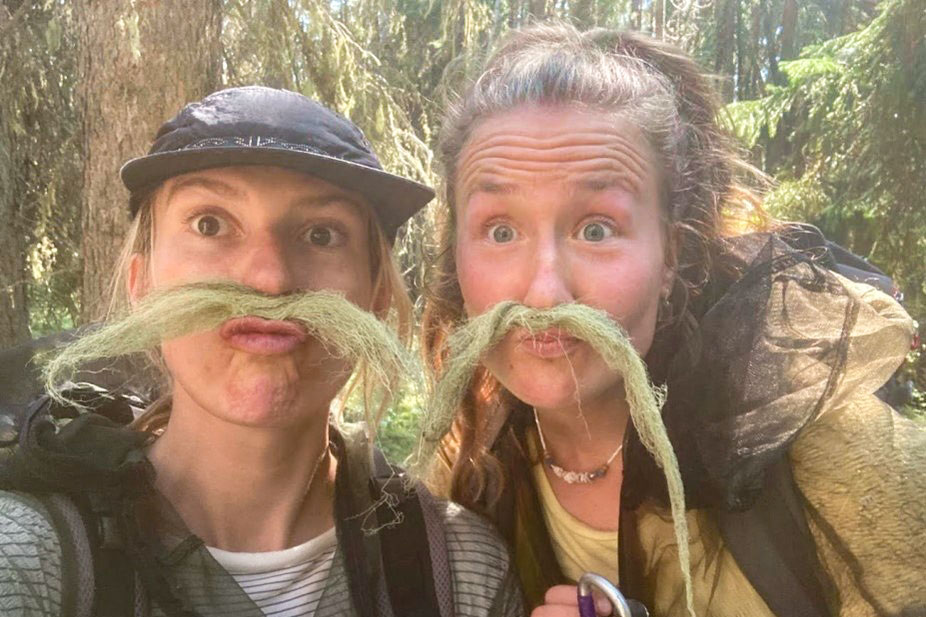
589 581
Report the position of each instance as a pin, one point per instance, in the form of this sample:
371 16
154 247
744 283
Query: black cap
263 126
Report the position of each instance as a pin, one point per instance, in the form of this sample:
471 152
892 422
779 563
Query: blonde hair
386 278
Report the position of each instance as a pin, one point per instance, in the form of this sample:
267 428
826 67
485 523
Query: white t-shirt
287 583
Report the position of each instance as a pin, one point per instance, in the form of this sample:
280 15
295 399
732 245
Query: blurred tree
845 137
828 94
139 63
39 174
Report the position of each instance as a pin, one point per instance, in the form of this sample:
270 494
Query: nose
549 283
266 267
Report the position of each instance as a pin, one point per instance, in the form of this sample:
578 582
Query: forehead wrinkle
517 149
484 176
626 165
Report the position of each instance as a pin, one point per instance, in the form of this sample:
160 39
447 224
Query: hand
562 601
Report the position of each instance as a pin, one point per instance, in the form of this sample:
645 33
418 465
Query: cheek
351 276
479 279
631 293
173 263
191 354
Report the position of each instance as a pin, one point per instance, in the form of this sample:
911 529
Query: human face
556 205
274 230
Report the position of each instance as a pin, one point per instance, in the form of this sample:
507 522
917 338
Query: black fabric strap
404 544
773 547
349 530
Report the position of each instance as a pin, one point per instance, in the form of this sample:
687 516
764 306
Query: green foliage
914 372
846 140
398 432
830 96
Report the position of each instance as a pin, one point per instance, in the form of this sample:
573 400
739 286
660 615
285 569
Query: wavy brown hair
704 198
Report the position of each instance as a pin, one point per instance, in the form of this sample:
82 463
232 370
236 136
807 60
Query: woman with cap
234 494
589 167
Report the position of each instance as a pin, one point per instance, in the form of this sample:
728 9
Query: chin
260 401
542 390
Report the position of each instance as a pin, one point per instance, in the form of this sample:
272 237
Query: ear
137 278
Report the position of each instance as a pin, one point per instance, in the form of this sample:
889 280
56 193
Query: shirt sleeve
30 559
510 597
484 583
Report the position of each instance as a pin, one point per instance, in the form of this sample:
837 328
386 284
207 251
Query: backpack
85 483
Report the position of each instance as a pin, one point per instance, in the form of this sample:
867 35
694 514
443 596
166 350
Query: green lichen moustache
469 344
346 330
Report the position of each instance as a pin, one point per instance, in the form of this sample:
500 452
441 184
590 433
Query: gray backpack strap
80 596
437 543
78 584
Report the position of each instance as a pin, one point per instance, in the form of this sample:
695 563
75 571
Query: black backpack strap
117 582
349 517
403 538
773 547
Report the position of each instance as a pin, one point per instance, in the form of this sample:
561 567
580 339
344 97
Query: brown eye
320 236
208 225
324 236
501 234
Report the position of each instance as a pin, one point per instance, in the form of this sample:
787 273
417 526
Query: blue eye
596 232
502 233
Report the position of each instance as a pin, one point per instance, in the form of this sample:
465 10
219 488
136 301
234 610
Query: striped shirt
481 583
287 583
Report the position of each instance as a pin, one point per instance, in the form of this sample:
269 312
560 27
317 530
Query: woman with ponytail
588 169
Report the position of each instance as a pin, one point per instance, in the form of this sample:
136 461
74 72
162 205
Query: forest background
828 97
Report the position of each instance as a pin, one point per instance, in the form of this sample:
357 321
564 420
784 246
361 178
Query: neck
243 488
583 437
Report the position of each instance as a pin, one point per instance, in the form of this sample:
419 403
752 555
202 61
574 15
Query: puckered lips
549 343
262 336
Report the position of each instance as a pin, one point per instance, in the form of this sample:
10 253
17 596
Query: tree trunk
140 63
583 13
14 313
659 19
724 54
788 28
636 14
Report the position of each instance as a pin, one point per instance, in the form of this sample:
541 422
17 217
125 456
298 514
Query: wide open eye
596 231
502 233
324 236
209 225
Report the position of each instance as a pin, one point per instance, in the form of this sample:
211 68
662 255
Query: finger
602 604
556 610
562 594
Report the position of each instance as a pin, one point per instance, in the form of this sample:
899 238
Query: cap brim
394 199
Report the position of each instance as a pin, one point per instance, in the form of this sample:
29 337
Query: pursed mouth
547 343
262 336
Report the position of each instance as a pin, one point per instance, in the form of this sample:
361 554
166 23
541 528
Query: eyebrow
594 183
226 190
493 187
322 201
216 186
603 182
